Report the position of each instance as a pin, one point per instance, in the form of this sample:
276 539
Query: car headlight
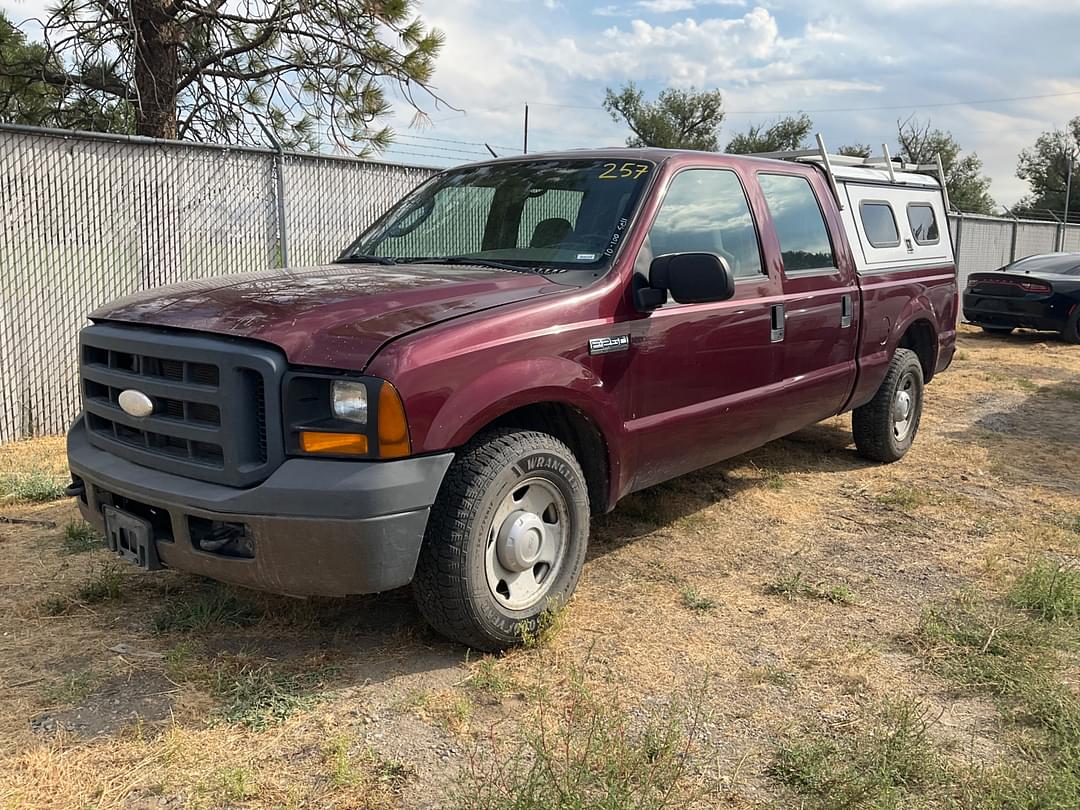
349 401
328 415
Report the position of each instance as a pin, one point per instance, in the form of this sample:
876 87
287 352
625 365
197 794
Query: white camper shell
895 215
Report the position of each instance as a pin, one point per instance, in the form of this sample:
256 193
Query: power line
449 149
449 140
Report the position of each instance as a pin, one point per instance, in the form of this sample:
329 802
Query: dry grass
791 580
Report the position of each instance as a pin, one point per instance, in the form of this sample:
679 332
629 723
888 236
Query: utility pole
525 144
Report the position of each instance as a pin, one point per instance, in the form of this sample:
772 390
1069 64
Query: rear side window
705 210
879 223
923 223
800 226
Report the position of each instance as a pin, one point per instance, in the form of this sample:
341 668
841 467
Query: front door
704 376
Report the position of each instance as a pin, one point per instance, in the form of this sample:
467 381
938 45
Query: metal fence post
279 173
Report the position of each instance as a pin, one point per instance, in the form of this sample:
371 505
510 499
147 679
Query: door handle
846 311
778 318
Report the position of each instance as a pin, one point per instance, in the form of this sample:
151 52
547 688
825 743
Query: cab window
705 210
799 223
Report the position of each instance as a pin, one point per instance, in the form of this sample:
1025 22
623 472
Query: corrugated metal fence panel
1072 239
328 202
1035 237
983 244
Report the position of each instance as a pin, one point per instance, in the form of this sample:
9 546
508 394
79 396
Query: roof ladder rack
828 170
884 161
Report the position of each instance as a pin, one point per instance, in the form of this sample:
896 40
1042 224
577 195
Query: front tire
505 541
885 427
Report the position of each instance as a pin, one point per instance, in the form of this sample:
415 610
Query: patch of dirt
121 702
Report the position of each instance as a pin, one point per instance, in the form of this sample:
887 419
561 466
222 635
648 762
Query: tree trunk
156 68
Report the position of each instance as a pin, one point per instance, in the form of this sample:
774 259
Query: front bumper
315 526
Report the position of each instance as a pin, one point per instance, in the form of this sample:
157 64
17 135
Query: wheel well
578 432
920 338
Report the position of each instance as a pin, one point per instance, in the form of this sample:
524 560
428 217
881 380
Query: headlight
329 415
350 401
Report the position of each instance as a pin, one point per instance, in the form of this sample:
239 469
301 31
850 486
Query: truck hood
333 315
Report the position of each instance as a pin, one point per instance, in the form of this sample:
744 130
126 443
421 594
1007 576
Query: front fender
516 384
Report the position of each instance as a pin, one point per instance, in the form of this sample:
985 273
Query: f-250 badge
607 345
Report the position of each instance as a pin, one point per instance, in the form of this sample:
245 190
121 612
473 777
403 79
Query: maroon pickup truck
516 345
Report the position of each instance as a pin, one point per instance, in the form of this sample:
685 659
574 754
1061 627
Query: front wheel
885 427
506 539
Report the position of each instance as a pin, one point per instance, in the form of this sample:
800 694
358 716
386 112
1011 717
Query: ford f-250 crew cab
516 345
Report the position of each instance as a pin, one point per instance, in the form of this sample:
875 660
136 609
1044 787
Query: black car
1036 292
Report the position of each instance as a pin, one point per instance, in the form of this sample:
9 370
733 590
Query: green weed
80 536
1049 590
888 762
795 585
191 613
259 697
32 487
104 586
589 753
694 600
72 689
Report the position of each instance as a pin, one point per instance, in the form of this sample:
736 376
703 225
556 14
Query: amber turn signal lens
393 429
346 444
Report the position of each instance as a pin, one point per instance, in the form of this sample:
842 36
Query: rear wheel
885 427
1072 328
506 539
998 330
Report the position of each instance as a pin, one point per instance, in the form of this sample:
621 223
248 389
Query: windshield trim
596 269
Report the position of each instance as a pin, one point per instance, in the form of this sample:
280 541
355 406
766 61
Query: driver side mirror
690 278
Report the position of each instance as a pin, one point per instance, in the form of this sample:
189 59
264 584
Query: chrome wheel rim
526 544
905 406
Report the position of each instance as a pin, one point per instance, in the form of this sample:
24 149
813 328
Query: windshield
528 214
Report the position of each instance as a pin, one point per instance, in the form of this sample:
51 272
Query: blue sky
768 57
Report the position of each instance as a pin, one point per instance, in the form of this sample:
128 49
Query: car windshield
522 214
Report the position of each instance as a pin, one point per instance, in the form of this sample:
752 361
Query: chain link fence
88 218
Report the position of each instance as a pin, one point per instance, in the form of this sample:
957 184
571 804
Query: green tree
678 119
861 150
968 187
23 100
785 134
222 71
1045 166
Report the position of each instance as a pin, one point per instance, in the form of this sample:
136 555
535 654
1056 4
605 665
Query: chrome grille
210 419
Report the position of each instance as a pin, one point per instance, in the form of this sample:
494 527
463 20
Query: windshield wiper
366 258
467 260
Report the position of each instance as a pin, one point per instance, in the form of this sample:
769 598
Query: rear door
820 296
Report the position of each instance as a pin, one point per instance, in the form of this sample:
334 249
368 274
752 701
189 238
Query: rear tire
999 330
885 427
505 541
1071 334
